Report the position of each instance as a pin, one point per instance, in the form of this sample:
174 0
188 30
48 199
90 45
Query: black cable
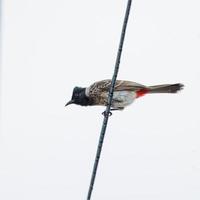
110 96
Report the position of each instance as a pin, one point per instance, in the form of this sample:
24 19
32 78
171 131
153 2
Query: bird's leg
121 108
104 113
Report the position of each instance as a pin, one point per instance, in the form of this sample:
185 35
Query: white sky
151 150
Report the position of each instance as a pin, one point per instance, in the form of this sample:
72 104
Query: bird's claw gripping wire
105 113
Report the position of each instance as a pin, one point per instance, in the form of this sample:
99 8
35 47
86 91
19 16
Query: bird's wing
121 85
128 86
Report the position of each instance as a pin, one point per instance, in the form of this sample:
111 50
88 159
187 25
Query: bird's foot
105 113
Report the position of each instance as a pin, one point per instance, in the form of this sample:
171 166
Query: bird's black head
79 97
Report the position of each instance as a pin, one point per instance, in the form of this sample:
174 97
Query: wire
110 96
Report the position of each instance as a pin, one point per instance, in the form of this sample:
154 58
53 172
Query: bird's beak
70 102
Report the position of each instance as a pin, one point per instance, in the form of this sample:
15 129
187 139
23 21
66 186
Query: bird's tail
166 88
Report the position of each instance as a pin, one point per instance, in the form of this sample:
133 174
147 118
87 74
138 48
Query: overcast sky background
151 149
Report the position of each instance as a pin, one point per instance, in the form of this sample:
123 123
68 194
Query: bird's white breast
123 98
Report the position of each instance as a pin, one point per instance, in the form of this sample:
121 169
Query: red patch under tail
141 92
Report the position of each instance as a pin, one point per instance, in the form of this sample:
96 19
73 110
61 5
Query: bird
125 93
